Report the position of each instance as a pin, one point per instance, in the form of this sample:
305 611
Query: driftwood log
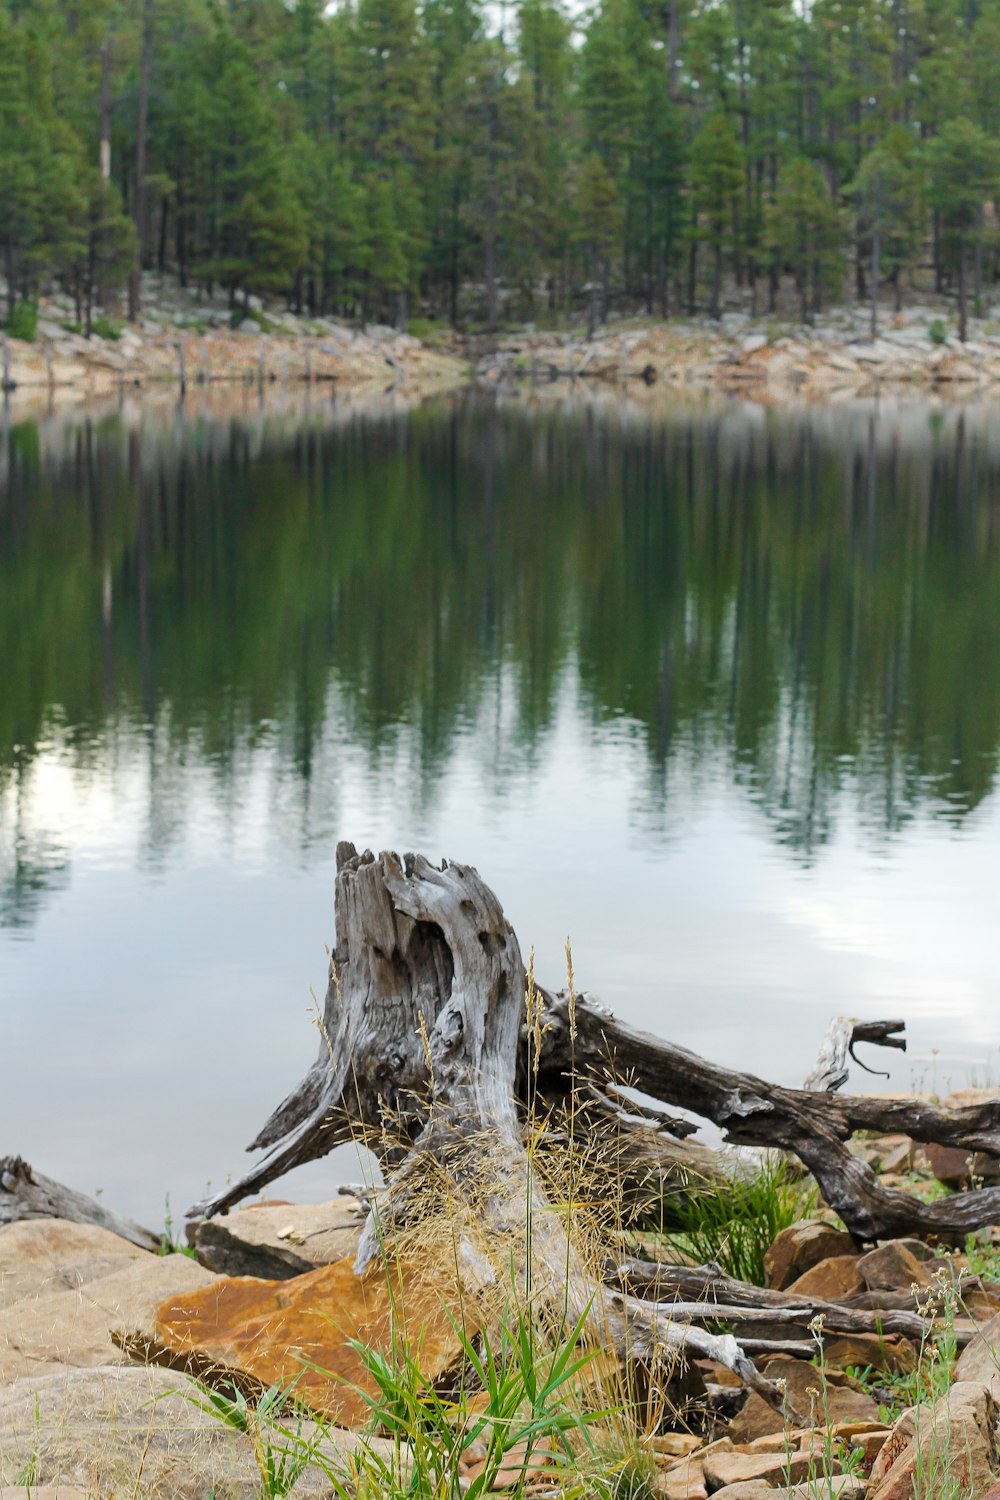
26 1194
429 1052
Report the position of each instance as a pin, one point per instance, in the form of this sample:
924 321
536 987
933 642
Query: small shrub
424 329
106 328
737 1227
22 322
937 331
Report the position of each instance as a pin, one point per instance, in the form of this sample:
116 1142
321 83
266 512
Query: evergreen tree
963 167
803 231
716 182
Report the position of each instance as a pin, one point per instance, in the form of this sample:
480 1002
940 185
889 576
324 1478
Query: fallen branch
26 1194
814 1126
720 1296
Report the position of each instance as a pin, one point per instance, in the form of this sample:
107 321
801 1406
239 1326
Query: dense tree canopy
383 158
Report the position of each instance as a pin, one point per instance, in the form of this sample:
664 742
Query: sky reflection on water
731 726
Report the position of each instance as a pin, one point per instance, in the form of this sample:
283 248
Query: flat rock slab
280 1331
120 1430
40 1256
279 1242
71 1328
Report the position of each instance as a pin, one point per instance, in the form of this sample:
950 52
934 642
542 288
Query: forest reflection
807 604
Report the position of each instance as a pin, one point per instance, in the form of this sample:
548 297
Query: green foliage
736 1228
106 328
22 321
937 331
281 1455
352 158
526 1386
526 1400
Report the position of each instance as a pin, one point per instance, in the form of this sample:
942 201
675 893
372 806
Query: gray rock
280 1242
125 1430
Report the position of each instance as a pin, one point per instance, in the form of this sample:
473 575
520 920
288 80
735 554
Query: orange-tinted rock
800 1247
805 1395
859 1350
958 1435
735 1468
892 1268
275 1331
833 1278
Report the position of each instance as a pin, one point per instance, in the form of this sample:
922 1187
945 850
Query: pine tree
802 231
716 182
963 167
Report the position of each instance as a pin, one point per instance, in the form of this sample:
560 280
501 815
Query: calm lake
714 690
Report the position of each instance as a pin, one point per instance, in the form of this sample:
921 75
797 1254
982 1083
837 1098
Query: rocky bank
835 360
185 338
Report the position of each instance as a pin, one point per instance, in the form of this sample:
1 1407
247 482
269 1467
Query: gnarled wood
845 1032
711 1290
422 1025
427 1048
26 1194
814 1126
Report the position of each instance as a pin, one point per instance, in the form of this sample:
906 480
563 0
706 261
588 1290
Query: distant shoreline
762 360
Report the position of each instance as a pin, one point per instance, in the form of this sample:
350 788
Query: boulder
71 1328
951 1446
979 1361
955 1168
827 1403
830 1280
277 1242
860 1350
722 1469
122 1430
892 1268
40 1256
800 1247
269 1332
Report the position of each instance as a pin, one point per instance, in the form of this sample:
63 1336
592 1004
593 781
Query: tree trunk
140 159
963 260
875 260
105 148
26 1194
428 1042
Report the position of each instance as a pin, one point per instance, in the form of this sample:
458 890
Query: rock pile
830 363
99 1340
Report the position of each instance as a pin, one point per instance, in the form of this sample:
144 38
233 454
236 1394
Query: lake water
712 689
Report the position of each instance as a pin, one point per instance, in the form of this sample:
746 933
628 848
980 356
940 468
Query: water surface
714 690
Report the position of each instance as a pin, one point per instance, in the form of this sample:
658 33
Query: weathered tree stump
431 1054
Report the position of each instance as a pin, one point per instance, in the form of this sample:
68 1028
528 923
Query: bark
422 1048
26 1194
708 1288
145 64
875 274
813 1126
432 1056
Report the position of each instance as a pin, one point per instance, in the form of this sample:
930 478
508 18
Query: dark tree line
383 157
